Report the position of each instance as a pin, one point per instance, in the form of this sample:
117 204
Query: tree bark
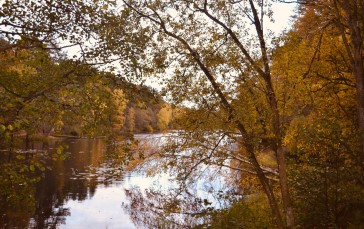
264 182
355 25
272 100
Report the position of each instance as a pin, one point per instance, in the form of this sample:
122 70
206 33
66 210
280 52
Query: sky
282 13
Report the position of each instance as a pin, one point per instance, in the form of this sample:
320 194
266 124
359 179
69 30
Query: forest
283 112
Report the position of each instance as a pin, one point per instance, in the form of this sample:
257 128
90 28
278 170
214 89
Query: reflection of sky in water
103 210
85 191
208 182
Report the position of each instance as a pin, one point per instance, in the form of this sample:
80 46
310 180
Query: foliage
164 118
323 135
252 212
51 24
18 175
41 94
207 57
327 196
147 112
255 101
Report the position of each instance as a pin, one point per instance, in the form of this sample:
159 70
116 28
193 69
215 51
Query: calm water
83 191
89 190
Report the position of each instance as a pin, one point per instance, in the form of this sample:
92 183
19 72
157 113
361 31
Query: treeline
42 92
147 112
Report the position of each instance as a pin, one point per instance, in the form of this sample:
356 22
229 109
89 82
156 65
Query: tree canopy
285 114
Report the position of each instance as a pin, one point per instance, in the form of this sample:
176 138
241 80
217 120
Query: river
87 189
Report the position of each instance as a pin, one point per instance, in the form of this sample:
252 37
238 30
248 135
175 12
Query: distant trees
46 28
40 88
147 118
42 93
164 118
129 123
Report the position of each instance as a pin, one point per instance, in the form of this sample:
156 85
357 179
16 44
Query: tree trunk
281 161
272 100
359 80
354 24
265 183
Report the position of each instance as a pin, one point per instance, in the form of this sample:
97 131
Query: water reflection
17 191
83 187
89 190
163 203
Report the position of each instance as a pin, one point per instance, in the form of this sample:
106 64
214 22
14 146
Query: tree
323 137
37 89
58 24
45 28
346 17
130 120
238 88
164 118
213 56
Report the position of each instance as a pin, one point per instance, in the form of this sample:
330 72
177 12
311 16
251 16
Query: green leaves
32 168
47 21
2 128
39 92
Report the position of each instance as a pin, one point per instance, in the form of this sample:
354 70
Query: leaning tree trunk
359 80
227 106
272 100
355 25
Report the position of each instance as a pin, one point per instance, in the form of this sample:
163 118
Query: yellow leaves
32 168
58 125
164 118
213 62
290 138
267 158
251 181
10 127
18 62
2 128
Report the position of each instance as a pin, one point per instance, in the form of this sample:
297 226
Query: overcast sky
282 13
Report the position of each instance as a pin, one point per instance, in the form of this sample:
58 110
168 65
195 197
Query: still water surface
83 191
89 190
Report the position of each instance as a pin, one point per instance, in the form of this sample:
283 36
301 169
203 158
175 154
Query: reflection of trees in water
197 188
122 150
152 209
50 199
76 178
41 195
50 218
18 176
176 208
29 191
